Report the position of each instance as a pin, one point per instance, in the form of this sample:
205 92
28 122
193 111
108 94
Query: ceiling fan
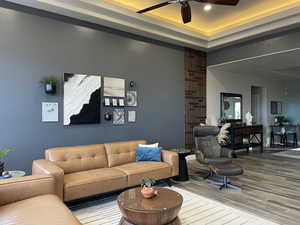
186 8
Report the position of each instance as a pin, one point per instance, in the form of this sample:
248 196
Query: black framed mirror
231 107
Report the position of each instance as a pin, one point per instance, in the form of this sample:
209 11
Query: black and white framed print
49 112
115 102
114 87
118 116
82 99
131 98
131 116
121 102
107 102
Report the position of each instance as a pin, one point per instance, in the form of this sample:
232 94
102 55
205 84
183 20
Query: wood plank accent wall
195 92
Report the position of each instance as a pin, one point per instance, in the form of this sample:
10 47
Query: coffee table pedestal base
123 221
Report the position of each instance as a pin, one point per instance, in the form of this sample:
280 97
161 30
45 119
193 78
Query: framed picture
131 98
131 116
107 102
114 87
49 112
118 116
121 102
115 102
82 99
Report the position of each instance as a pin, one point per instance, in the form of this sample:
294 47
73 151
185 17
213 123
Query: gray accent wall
32 47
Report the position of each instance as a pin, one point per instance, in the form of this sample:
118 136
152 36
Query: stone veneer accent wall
195 92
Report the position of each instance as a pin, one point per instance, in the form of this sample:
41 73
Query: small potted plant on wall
3 153
147 187
50 84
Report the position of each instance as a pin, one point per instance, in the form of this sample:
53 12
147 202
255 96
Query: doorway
256 104
259 109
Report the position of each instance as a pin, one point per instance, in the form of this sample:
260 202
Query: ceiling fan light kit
186 11
207 7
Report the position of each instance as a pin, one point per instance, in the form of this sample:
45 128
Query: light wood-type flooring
270 187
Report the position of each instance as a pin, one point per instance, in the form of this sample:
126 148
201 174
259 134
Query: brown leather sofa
82 171
31 200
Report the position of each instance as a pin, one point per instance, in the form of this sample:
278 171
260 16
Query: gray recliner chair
218 159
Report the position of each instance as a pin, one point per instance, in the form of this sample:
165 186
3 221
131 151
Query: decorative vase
50 88
1 168
148 192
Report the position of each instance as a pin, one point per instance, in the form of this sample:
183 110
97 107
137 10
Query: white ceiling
111 15
282 65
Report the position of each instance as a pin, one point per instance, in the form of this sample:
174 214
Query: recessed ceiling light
207 7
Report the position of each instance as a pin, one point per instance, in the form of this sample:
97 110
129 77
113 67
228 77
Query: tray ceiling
221 26
218 19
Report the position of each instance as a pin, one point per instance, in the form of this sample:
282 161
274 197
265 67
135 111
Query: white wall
220 81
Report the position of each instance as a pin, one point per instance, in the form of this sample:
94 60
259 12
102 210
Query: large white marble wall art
118 116
114 87
82 98
131 98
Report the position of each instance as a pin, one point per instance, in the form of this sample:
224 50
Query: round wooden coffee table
159 210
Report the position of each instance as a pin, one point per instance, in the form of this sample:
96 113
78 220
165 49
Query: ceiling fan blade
186 12
154 7
220 2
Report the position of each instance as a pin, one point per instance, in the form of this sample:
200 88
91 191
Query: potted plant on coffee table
50 83
3 153
147 187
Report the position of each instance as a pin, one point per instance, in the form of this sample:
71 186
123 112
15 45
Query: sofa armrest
46 167
21 188
173 159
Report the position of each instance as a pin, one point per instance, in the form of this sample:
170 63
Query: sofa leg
169 182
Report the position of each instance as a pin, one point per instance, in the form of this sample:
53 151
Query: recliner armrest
226 152
46 167
173 159
199 156
17 189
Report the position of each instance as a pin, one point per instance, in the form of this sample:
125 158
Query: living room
153 79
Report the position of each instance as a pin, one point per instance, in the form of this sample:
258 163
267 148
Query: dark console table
238 133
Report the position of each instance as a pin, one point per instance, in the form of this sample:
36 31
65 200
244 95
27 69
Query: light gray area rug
196 210
291 153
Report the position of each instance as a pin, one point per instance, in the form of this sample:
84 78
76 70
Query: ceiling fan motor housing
186 8
186 12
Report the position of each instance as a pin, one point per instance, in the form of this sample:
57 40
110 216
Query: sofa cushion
78 158
119 153
93 182
136 171
41 210
148 154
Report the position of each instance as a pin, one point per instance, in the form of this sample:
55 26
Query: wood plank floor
270 187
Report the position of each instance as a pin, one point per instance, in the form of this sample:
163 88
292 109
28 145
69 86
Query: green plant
148 182
4 152
280 119
49 80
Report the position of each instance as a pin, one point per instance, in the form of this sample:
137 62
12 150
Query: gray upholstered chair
208 151
218 159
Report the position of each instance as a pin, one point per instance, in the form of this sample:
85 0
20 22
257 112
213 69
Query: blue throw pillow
148 154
